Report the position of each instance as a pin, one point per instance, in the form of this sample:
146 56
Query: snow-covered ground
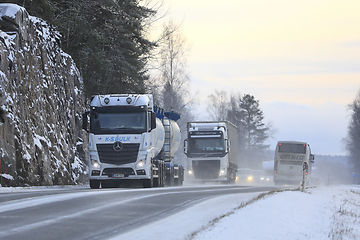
318 213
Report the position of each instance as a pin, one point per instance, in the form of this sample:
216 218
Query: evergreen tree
106 39
245 112
252 124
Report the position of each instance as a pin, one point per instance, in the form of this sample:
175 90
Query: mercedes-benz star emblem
118 146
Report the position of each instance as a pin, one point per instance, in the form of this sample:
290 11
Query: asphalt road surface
83 213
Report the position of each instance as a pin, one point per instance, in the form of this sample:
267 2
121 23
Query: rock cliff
41 99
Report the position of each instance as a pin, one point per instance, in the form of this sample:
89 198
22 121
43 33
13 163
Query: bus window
292 148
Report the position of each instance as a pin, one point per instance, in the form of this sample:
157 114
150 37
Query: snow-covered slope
41 94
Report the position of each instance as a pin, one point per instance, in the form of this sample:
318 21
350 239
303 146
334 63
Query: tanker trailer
129 140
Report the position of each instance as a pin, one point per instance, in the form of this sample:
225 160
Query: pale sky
300 59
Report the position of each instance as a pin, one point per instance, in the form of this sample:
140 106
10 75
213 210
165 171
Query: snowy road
81 213
318 213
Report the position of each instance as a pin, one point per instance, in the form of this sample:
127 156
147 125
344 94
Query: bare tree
170 81
353 139
218 105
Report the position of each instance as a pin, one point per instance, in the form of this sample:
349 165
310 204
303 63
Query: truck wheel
233 177
94 184
163 178
156 182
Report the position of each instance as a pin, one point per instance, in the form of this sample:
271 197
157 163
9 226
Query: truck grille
128 154
206 169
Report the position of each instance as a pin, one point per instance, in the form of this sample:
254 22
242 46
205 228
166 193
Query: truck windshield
292 148
105 122
206 145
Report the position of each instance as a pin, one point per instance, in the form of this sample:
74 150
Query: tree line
108 40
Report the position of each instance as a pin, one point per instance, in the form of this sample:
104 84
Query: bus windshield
292 148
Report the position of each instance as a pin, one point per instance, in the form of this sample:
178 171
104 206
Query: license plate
118 175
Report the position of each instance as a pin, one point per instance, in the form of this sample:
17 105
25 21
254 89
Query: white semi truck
292 160
131 141
211 149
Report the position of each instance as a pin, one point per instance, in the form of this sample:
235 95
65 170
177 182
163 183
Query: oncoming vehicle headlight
249 178
95 163
190 172
222 172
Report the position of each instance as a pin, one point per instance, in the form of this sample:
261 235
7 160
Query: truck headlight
222 172
141 163
95 163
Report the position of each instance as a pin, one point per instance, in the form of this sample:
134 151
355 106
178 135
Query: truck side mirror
185 146
85 121
153 120
227 143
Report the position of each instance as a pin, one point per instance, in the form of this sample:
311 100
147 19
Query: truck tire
162 179
233 177
157 181
148 183
94 184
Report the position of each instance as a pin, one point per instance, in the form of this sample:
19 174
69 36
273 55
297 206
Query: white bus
289 160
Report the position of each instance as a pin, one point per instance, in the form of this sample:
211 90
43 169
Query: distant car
244 175
259 176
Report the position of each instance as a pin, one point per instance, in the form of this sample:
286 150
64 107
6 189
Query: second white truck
211 149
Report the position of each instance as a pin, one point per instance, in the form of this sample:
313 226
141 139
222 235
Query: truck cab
209 152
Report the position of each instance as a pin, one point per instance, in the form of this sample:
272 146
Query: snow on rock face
41 95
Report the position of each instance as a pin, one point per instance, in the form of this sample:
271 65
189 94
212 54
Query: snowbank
318 213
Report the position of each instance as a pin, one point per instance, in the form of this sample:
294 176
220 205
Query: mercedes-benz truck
131 141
